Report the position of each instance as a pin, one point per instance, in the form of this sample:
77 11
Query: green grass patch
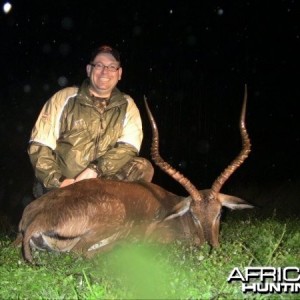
151 271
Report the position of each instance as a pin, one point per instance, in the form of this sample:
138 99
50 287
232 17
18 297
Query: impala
94 214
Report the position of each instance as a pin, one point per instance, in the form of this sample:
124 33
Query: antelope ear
233 202
179 209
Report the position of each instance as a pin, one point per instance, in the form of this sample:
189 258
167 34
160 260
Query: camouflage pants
138 168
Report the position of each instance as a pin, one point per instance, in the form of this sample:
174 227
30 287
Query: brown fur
79 216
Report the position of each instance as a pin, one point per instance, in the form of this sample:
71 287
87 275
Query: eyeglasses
110 68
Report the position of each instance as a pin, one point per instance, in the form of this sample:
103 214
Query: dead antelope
94 214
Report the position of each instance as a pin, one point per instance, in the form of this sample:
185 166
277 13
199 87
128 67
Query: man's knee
145 168
138 168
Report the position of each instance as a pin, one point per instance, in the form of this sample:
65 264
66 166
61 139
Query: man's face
104 73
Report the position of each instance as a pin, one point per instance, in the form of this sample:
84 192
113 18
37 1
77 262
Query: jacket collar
84 97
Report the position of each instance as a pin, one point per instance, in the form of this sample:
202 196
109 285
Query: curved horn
218 183
190 188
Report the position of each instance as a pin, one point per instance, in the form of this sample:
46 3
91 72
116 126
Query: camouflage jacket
71 132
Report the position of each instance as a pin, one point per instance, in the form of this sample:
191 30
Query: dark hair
106 49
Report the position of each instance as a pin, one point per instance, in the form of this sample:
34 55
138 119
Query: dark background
191 59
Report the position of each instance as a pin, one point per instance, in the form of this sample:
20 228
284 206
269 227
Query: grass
149 271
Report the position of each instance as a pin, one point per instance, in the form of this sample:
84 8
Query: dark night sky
191 59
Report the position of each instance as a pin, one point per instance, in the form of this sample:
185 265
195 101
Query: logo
267 280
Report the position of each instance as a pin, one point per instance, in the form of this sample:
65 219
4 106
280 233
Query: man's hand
67 182
86 174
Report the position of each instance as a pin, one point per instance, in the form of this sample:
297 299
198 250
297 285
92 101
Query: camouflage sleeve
132 127
46 128
45 166
43 139
113 160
